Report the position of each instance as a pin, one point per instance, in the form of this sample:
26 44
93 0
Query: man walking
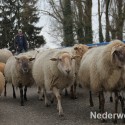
20 42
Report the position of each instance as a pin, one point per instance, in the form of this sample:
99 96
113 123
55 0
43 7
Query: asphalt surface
34 112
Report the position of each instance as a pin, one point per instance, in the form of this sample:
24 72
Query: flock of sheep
99 69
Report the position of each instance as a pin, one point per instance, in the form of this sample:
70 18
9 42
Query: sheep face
80 49
64 63
118 55
24 64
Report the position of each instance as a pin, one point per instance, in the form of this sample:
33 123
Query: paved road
77 112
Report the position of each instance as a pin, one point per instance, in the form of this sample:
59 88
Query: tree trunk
120 22
18 16
113 33
100 25
68 24
107 21
88 21
80 25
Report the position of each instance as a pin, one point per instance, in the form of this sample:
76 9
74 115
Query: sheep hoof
47 104
61 114
123 121
115 121
111 99
52 101
103 121
5 94
91 104
74 97
41 99
80 86
99 110
14 96
22 104
66 94
25 99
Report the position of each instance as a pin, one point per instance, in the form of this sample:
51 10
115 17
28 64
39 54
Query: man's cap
19 30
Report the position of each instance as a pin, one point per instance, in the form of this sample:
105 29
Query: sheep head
64 62
80 49
118 55
24 64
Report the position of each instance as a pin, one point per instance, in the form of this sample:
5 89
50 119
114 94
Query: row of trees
74 19
16 14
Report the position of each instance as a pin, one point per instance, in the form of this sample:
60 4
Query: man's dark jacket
20 43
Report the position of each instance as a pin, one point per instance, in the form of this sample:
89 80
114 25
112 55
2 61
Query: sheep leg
122 106
73 91
39 89
14 94
111 98
52 98
5 91
122 102
57 94
46 99
116 106
21 95
90 99
25 91
99 103
40 93
75 85
66 92
102 102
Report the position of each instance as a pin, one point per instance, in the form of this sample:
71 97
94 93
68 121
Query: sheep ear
76 56
37 51
76 48
118 55
115 53
53 59
17 58
31 59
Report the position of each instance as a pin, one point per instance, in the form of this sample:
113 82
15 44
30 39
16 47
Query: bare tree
75 16
107 19
79 22
115 9
67 23
100 24
88 21
121 18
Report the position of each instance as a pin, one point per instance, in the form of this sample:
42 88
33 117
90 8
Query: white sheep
101 68
79 50
4 55
2 82
18 71
30 53
53 71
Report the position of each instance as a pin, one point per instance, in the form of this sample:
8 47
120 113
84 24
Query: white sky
45 23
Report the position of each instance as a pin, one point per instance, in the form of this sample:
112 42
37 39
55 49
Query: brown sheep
18 71
2 82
